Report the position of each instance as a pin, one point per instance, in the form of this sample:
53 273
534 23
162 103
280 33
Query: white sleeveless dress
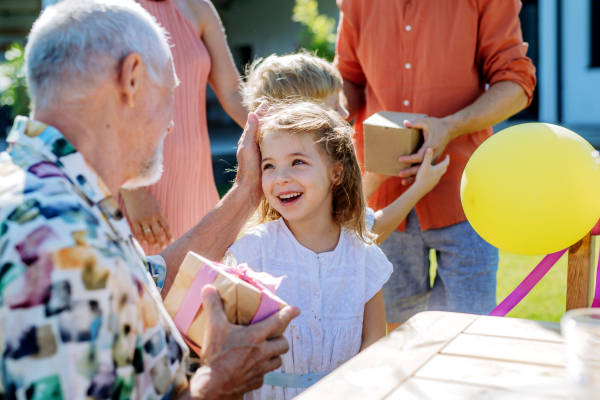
330 288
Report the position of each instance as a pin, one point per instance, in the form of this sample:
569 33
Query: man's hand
437 134
248 154
146 216
235 358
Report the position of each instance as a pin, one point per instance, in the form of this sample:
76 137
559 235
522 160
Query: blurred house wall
571 90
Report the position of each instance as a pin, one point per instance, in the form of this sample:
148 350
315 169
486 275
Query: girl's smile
288 198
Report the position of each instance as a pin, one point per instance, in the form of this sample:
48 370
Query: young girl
313 230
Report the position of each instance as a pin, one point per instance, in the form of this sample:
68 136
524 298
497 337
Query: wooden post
578 274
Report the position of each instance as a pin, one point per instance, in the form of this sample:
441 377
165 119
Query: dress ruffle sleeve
377 271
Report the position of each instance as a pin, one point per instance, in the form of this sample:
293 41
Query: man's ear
131 74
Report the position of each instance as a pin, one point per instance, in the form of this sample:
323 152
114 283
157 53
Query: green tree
319 29
13 84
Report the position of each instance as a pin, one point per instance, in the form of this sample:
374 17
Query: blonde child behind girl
313 230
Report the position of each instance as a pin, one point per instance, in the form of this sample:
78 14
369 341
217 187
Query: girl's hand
429 175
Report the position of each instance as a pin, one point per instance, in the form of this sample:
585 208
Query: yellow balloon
532 189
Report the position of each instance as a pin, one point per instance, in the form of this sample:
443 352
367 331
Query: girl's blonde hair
294 75
333 137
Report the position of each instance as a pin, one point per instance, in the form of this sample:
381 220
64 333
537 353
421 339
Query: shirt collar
50 144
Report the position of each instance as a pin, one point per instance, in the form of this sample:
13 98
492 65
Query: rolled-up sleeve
501 52
346 60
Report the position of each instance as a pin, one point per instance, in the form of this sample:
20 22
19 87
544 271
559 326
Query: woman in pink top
186 192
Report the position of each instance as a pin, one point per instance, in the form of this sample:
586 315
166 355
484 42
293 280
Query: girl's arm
371 182
374 321
224 77
388 219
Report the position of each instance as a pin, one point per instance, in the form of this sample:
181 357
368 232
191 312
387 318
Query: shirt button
408 28
407 65
314 370
317 295
406 102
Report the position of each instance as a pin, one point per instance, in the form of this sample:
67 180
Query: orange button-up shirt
431 57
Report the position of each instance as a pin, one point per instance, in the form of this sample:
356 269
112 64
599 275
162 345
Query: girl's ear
338 172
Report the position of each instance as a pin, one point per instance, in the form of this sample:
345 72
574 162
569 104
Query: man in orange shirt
435 57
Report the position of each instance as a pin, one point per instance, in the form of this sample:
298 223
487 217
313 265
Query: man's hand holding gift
226 347
437 133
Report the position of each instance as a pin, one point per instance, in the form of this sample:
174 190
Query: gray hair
76 43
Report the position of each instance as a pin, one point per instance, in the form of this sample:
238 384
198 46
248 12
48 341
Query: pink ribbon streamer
192 301
538 273
596 301
528 283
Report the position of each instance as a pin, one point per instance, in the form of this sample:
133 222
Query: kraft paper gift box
248 296
387 139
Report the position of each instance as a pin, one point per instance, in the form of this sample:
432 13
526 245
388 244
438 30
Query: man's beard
150 172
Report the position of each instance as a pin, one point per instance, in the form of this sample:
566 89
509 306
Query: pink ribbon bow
260 280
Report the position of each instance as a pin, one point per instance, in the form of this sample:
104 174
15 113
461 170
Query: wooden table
441 355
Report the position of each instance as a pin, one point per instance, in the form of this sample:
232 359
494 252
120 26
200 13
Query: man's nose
171 127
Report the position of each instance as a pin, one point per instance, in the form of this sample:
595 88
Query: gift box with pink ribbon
248 296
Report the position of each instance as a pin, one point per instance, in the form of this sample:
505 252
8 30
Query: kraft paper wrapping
241 299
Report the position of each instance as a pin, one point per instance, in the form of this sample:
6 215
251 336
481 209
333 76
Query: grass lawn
547 301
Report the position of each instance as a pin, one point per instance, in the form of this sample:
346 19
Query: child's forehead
279 143
302 139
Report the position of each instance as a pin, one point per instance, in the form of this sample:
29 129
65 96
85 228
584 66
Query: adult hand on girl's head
248 154
235 358
429 175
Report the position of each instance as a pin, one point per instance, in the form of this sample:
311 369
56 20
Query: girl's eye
268 166
298 162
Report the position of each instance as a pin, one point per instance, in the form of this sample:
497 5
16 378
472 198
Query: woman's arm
224 77
373 321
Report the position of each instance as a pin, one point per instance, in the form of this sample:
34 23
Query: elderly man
435 57
80 314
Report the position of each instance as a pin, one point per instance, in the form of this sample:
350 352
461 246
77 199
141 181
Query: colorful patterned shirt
80 313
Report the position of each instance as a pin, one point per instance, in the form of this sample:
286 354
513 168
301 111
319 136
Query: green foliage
13 85
319 29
